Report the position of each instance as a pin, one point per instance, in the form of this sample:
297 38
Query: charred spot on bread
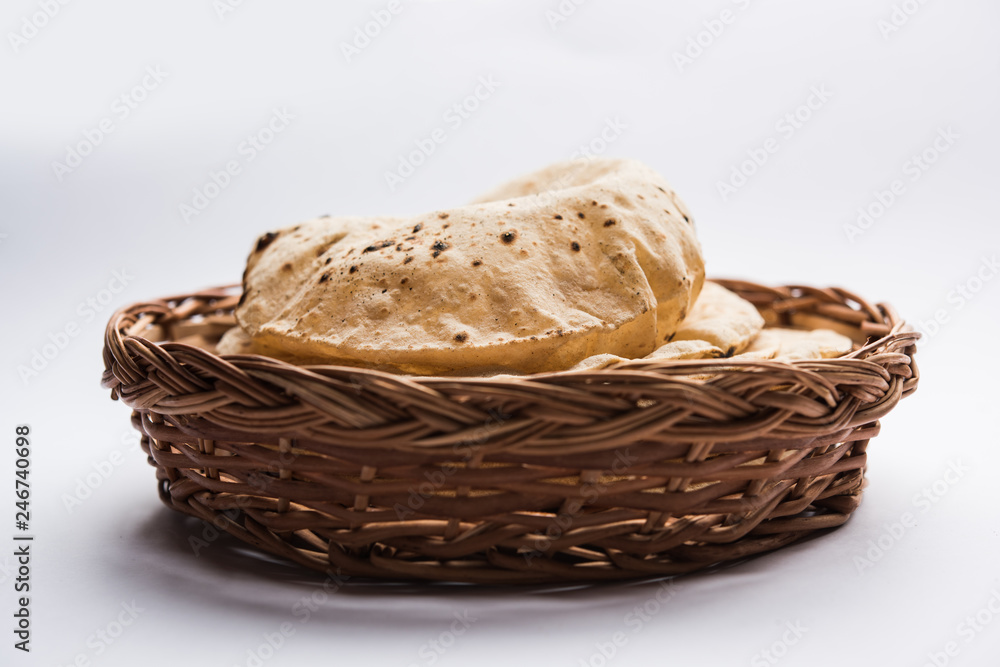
378 246
439 247
265 240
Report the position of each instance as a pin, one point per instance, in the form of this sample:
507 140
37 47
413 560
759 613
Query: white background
890 94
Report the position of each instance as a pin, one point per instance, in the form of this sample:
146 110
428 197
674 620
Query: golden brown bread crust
578 259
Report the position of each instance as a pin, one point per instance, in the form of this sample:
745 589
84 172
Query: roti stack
579 266
582 258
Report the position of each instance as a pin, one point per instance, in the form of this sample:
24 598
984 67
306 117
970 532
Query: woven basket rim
885 351
897 330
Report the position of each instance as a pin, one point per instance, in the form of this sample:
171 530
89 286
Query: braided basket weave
645 468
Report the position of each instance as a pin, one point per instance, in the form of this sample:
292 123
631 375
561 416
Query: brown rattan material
646 468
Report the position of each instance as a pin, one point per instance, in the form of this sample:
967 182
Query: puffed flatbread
236 341
675 351
579 259
790 344
809 320
722 318
720 324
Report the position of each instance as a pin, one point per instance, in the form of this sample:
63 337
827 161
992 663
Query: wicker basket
646 468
